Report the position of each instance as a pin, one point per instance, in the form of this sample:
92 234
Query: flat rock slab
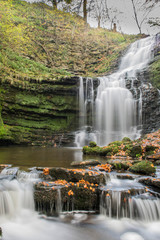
74 175
127 176
153 182
154 157
85 163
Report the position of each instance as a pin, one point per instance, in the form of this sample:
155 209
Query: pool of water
28 157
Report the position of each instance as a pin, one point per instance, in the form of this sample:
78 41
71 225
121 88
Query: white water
116 111
19 221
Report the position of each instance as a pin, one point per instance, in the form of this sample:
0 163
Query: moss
117 143
134 151
150 148
91 150
92 144
143 167
106 151
126 140
154 71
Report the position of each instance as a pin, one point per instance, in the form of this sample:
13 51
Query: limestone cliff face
39 112
151 92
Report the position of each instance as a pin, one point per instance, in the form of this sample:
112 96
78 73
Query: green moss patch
143 167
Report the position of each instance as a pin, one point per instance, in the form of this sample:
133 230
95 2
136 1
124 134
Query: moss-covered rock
120 164
135 151
126 140
91 150
74 175
92 144
143 167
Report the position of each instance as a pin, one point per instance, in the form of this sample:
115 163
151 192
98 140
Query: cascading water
129 199
116 111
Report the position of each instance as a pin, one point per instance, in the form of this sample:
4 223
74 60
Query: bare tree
141 10
96 9
55 2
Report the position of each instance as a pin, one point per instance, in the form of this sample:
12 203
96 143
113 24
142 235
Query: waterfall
116 110
118 204
16 195
86 112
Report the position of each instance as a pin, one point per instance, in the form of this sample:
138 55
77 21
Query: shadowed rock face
53 201
39 113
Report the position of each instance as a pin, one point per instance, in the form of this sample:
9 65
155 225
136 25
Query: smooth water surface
25 157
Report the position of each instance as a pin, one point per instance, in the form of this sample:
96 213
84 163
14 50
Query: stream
137 219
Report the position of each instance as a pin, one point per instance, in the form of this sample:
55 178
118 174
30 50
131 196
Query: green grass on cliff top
39 42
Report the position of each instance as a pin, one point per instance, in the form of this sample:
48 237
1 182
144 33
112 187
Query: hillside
39 42
41 52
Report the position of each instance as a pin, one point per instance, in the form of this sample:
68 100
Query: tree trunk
85 10
99 21
136 17
54 2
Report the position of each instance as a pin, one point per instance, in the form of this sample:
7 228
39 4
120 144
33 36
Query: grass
39 42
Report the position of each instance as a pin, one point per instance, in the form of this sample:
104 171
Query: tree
141 10
96 10
54 2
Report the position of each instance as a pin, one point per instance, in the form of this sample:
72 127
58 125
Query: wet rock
3 166
143 167
74 175
153 182
52 199
121 164
90 162
135 151
126 176
0 233
154 157
157 162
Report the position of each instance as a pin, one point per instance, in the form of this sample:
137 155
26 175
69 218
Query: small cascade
15 195
128 199
116 110
146 209
23 176
116 204
59 202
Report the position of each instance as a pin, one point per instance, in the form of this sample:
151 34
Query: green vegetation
154 71
143 167
42 43
92 144
127 149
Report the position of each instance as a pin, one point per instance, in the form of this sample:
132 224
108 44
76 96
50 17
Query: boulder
154 157
90 162
153 182
52 198
74 175
143 167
